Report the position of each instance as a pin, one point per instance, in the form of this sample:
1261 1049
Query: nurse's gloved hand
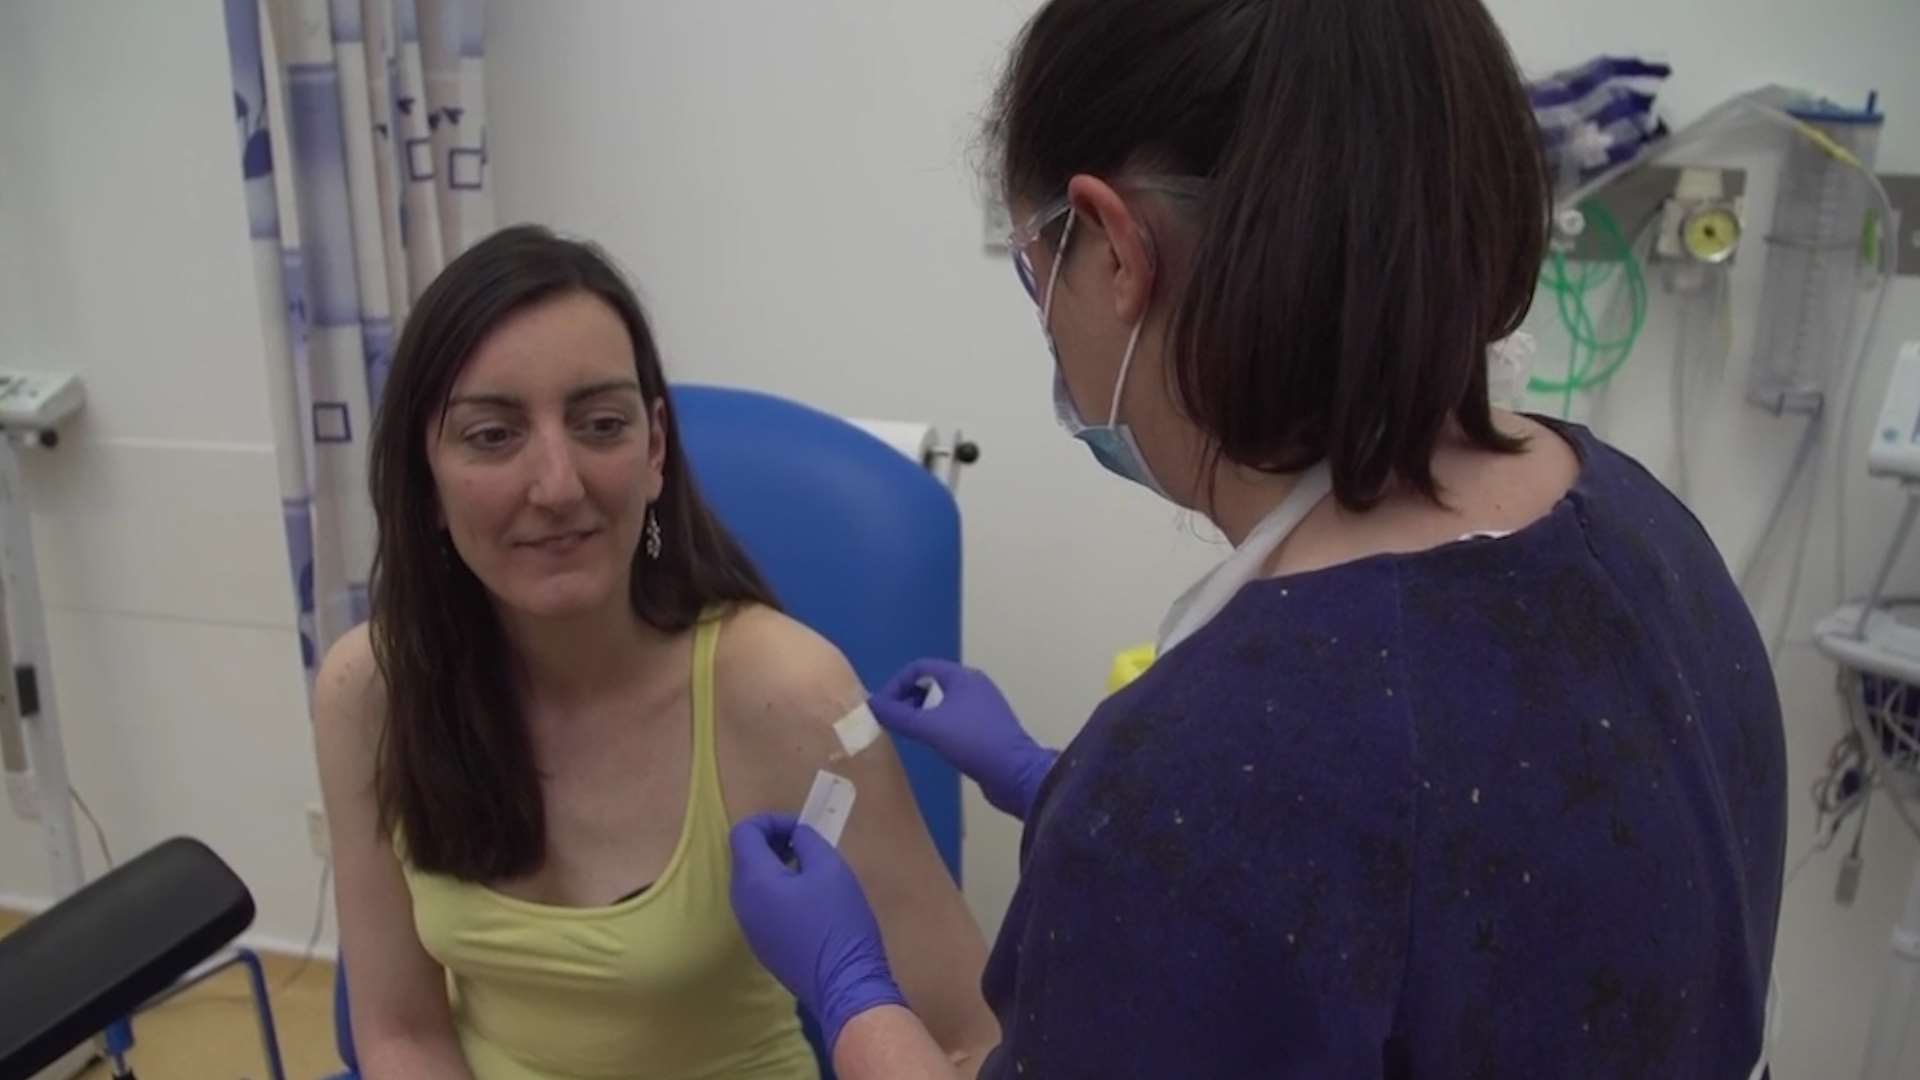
971 725
809 924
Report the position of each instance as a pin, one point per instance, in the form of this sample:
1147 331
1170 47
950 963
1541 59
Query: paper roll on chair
920 443
914 440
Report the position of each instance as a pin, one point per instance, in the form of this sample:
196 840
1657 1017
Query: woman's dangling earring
653 534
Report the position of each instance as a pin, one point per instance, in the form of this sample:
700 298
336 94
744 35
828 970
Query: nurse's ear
1126 248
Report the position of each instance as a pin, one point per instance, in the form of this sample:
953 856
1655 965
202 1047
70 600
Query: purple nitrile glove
810 926
971 725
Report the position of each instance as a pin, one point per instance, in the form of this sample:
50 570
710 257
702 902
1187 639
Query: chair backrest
858 542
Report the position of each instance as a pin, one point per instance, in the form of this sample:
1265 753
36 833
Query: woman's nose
556 479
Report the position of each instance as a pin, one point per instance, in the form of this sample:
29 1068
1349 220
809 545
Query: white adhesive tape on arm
828 806
857 730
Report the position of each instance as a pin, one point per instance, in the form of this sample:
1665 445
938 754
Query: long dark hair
1375 215
456 777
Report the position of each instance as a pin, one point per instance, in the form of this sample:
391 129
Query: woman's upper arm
781 688
397 992
936 948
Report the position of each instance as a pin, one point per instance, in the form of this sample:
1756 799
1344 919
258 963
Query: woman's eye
607 427
489 438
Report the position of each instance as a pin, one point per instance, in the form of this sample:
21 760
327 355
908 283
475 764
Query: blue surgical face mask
1112 443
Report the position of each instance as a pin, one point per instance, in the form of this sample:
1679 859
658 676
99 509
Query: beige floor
209 1032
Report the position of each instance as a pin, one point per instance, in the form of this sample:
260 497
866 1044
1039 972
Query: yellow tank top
661 985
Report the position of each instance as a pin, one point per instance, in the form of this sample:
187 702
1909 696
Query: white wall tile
124 257
181 728
122 216
161 529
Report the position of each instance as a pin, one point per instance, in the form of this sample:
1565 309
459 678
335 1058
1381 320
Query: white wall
792 186
123 256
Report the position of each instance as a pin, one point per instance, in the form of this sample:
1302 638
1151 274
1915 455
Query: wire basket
1886 715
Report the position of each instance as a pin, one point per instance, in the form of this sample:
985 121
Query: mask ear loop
1046 321
1126 362
1053 276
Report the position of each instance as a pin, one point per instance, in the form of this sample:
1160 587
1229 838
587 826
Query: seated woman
573 683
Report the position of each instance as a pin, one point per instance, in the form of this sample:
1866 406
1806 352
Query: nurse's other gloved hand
809 924
971 725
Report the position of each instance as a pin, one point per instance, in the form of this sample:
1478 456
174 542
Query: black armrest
97 955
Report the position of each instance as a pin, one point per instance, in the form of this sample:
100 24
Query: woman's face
547 457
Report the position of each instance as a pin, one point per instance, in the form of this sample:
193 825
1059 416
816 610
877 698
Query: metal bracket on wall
1637 199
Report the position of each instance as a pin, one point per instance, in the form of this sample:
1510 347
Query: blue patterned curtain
362 135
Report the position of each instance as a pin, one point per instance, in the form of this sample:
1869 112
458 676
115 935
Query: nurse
1469 761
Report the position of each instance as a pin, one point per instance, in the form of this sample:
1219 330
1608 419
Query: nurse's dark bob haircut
1375 215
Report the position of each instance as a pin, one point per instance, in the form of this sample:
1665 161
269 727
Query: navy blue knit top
1506 808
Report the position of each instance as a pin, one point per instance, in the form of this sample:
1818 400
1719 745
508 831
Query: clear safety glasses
1020 242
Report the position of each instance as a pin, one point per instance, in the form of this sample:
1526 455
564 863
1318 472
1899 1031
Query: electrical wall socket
317 831
24 795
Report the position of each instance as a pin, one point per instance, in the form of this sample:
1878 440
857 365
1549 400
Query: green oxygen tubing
1592 360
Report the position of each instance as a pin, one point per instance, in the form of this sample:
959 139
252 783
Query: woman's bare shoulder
779 687
349 702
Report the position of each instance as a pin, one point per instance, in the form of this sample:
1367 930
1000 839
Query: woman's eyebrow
574 397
